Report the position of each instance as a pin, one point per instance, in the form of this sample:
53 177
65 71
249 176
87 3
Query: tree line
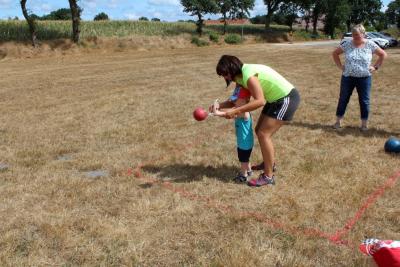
334 13
75 15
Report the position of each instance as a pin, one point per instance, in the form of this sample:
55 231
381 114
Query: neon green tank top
272 83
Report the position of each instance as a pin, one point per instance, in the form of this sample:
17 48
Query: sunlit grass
50 30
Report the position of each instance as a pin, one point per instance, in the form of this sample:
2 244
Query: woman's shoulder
371 44
346 44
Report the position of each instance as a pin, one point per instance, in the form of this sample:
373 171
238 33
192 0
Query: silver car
382 43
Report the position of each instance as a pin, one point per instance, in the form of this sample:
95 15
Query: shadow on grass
184 173
346 130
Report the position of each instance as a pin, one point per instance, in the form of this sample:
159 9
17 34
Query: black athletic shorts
283 109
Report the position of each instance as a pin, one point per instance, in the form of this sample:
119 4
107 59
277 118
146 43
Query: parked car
382 43
386 34
392 41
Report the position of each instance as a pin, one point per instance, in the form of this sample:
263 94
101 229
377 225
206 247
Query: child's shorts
244 133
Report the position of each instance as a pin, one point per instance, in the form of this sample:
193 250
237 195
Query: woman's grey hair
358 28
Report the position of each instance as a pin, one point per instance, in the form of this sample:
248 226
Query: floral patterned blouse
357 60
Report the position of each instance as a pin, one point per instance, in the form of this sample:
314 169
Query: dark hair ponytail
229 65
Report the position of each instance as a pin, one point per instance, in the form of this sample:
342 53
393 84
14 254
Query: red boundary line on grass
335 238
311 232
372 198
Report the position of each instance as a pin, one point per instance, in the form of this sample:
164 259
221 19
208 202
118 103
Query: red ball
200 114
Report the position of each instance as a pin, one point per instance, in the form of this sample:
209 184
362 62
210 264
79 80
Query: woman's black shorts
283 109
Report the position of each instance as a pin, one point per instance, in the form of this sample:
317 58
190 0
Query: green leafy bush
214 37
233 39
199 42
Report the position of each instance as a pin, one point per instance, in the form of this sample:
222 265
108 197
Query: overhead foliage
200 8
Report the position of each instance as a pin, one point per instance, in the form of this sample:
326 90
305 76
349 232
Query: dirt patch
3 54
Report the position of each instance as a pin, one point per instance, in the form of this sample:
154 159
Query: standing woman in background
357 71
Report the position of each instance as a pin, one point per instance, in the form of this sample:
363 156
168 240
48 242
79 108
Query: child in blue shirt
243 130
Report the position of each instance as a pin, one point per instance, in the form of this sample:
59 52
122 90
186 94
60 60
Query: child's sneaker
337 126
240 178
260 167
262 180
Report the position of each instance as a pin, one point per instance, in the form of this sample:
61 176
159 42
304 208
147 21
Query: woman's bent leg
266 127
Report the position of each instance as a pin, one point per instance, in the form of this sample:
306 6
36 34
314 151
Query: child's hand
215 106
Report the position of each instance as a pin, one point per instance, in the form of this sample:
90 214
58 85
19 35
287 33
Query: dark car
386 34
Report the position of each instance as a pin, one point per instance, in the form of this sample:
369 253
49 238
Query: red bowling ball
200 114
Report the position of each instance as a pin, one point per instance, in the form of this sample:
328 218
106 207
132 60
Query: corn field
49 30
11 30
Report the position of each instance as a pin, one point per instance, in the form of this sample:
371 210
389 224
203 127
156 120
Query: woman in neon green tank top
269 90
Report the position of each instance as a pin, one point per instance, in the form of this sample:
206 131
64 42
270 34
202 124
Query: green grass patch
199 42
233 39
214 37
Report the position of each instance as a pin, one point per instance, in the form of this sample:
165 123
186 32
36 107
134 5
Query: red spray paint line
334 238
372 198
209 202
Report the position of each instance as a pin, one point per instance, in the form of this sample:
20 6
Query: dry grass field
63 116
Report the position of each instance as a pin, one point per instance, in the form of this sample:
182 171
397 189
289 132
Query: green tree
319 8
143 19
101 16
259 19
241 8
380 21
225 6
362 11
76 18
289 12
306 11
199 8
59 14
155 19
393 13
31 22
336 14
272 6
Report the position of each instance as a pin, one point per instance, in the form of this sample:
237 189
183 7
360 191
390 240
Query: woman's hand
372 69
230 114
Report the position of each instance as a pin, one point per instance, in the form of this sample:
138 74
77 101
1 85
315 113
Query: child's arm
222 112
216 108
222 105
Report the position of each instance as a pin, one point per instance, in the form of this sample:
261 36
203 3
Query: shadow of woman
347 130
184 173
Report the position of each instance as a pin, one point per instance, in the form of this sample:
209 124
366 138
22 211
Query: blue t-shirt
357 60
244 133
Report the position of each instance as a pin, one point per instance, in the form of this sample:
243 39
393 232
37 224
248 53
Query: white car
382 43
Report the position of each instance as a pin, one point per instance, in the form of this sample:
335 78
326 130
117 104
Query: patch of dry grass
116 110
